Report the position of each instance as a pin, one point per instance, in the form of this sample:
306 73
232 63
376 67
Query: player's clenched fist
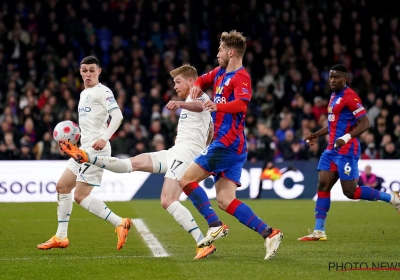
310 139
173 105
210 106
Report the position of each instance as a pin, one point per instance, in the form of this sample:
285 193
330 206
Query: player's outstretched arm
232 107
193 106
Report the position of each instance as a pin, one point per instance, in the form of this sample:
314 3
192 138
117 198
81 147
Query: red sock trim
357 193
232 206
324 194
190 187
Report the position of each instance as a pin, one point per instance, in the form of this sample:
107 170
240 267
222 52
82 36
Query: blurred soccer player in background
96 105
225 156
347 120
194 134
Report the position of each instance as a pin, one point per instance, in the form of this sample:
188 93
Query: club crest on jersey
330 109
227 82
87 99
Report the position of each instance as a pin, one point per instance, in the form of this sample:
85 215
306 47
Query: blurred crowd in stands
291 46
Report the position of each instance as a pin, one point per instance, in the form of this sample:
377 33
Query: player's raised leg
349 174
64 186
142 162
189 184
353 191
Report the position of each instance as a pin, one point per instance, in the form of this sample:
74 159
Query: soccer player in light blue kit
225 156
347 120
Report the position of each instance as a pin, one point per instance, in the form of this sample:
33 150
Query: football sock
64 210
98 208
368 193
113 164
183 216
200 200
321 210
245 215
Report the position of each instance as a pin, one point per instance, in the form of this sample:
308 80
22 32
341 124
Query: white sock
99 208
64 210
113 164
183 216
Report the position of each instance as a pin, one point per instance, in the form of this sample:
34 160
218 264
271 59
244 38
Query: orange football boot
54 242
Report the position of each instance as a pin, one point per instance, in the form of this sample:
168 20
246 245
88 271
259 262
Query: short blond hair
234 40
186 70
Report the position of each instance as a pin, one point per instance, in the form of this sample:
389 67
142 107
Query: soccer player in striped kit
225 156
347 120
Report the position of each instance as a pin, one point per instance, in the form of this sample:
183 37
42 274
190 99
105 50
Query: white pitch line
71 258
154 245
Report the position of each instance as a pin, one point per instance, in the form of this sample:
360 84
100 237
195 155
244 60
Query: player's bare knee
349 192
323 187
166 201
223 203
78 197
63 188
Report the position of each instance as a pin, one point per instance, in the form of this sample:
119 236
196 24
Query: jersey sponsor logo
355 112
87 99
219 99
331 117
245 84
84 109
111 100
183 116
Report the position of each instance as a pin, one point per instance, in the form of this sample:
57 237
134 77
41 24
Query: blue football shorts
220 161
345 165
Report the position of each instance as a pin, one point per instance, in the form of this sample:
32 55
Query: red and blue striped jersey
344 109
227 87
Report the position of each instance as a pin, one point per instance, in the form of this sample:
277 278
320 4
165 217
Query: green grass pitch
357 232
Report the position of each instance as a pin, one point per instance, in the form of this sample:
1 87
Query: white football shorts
174 161
86 172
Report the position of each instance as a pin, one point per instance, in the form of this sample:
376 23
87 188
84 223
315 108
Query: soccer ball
67 130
